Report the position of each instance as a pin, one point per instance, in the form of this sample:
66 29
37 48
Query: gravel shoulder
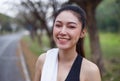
30 59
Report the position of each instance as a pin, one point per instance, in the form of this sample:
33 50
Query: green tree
4 22
108 15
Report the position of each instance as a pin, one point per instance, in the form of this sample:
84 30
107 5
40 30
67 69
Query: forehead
67 16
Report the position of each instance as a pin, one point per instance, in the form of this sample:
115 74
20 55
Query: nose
63 31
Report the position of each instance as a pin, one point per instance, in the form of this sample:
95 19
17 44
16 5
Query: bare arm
38 68
93 73
89 71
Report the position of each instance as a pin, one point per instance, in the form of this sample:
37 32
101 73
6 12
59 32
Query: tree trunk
32 34
39 36
94 39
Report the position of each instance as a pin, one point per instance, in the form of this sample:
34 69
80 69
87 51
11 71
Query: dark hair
80 13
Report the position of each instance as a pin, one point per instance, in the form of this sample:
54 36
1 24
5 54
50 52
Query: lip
63 40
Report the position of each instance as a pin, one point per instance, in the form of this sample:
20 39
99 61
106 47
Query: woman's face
67 30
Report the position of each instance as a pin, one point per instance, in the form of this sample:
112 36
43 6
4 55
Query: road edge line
24 66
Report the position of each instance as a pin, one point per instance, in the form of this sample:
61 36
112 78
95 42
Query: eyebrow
68 22
58 21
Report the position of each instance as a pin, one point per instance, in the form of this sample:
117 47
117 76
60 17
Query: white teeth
63 39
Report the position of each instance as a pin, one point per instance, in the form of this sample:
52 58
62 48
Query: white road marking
25 70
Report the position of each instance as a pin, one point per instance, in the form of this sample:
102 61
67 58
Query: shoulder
39 65
40 61
90 70
41 58
90 66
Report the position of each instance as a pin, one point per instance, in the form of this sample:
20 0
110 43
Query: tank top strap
75 69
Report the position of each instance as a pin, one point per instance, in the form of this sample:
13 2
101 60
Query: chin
63 47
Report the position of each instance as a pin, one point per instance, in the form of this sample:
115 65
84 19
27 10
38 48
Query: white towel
50 67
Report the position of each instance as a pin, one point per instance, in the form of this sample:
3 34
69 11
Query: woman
67 62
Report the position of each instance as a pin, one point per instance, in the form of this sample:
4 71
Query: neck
67 55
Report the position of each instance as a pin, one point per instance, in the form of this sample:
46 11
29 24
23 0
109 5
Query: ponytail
80 47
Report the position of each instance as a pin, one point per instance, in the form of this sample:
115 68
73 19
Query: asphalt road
9 69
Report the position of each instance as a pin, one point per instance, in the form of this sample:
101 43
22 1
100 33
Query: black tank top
74 73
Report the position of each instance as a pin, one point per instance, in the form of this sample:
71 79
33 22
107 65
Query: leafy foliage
5 23
4 18
108 15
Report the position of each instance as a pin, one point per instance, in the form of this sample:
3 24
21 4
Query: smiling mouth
61 38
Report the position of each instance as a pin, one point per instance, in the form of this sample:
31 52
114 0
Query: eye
71 27
58 25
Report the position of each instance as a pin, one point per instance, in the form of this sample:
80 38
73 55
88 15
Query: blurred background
31 21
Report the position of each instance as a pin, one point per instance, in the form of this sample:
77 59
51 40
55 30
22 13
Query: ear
83 33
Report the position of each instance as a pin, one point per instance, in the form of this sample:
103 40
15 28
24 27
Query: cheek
76 36
55 32
76 33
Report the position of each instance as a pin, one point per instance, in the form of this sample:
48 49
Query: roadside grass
110 44
35 47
